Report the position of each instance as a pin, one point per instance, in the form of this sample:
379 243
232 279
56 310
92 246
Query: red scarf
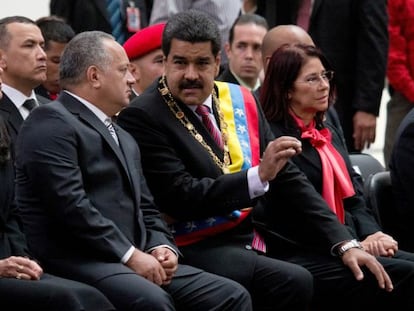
336 183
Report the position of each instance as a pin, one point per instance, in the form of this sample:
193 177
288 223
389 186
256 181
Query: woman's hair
283 70
4 143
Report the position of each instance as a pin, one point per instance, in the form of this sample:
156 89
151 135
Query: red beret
144 41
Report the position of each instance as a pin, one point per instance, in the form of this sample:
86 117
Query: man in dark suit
24 63
353 35
86 207
23 285
205 185
244 52
94 15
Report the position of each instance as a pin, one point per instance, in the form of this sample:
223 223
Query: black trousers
335 285
51 293
273 284
190 289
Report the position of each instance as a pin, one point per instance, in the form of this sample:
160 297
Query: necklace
180 115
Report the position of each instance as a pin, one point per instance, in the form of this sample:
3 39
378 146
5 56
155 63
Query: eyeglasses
314 79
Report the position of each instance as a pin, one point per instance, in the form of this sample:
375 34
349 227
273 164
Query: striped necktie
204 112
111 129
114 13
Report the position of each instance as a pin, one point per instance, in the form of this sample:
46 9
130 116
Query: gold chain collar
180 115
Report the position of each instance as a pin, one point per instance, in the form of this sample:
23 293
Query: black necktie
30 104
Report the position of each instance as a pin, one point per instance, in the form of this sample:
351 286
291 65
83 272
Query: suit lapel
88 117
11 114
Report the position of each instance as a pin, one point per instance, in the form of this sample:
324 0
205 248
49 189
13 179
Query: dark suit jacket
358 218
12 240
85 15
353 35
93 202
187 184
12 116
227 76
402 179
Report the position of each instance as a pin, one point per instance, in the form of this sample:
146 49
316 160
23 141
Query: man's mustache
191 84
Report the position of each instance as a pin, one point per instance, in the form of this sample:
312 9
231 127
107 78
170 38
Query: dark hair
54 28
4 142
283 70
244 19
191 26
5 36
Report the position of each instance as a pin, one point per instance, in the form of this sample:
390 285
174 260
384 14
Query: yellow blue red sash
241 116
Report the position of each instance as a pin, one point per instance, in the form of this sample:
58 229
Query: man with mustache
205 198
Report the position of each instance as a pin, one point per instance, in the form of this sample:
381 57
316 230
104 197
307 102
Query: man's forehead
24 31
186 49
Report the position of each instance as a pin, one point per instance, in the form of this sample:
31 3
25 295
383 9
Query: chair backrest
365 164
379 198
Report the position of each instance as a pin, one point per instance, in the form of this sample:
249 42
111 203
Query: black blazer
93 201
358 218
354 37
85 15
12 240
187 184
227 76
13 118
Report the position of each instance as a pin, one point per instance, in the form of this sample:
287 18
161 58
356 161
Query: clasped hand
20 268
380 244
158 267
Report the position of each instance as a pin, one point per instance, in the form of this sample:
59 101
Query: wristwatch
348 245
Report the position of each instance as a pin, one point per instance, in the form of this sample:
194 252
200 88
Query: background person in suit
85 15
56 33
23 285
24 63
244 51
84 201
353 35
297 91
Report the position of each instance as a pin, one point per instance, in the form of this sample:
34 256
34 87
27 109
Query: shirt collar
95 110
17 97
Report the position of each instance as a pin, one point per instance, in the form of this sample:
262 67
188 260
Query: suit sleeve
179 182
371 54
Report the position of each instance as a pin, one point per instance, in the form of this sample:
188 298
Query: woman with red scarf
298 89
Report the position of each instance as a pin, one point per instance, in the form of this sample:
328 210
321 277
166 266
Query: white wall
29 8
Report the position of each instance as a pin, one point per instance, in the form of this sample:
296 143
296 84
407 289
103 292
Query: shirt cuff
257 188
127 255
